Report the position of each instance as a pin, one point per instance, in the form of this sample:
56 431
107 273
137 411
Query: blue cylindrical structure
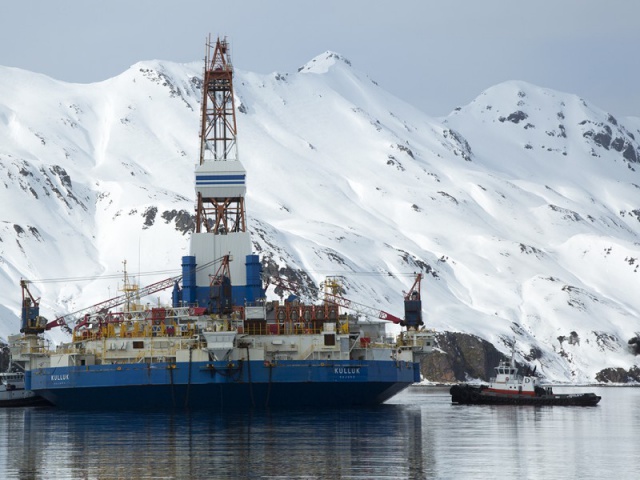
176 295
254 269
188 280
254 288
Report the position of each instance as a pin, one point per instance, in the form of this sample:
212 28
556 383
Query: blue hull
222 385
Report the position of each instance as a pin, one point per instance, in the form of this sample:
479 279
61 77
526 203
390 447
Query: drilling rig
220 183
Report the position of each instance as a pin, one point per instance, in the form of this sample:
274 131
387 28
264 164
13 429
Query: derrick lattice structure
220 205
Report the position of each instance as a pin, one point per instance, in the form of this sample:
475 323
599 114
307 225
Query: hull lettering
346 370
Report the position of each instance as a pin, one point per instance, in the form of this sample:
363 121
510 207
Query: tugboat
12 390
509 387
13 393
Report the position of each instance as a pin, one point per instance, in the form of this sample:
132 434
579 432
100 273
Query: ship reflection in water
361 443
418 434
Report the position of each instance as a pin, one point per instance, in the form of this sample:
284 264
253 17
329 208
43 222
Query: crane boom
64 320
358 307
33 323
412 305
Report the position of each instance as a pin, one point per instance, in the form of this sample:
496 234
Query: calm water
418 434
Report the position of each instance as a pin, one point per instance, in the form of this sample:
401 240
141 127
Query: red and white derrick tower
219 210
221 227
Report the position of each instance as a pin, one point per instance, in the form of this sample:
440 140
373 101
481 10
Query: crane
412 304
33 323
360 308
220 300
70 318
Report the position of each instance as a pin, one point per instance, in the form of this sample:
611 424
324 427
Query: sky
436 55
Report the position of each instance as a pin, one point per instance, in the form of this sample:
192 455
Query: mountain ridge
343 179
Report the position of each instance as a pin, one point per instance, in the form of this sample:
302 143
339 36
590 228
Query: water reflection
420 434
480 441
364 443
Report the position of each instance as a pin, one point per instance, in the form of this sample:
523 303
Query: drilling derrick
220 183
220 187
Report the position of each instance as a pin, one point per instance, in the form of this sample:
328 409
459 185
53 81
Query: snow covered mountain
522 208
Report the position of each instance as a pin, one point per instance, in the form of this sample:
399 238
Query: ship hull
224 385
473 395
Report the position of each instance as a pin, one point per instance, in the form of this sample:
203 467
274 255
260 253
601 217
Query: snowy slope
522 208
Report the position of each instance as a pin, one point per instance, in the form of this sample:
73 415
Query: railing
149 324
509 379
135 329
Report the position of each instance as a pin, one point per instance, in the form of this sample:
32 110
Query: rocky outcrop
460 357
5 357
184 221
619 375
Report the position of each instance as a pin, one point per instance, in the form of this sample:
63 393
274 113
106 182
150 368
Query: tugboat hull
13 393
21 398
478 395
